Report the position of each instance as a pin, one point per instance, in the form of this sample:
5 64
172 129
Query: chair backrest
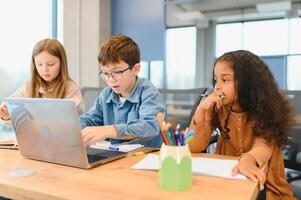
181 104
294 97
292 151
89 95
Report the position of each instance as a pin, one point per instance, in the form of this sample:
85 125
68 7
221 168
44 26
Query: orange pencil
160 119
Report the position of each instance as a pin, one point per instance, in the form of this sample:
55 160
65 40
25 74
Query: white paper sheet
150 162
121 147
200 166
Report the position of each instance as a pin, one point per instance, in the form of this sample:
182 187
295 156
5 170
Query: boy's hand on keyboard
92 134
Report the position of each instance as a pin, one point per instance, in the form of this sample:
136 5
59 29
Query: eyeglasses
116 75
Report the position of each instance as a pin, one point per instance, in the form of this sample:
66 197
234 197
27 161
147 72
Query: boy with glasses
127 107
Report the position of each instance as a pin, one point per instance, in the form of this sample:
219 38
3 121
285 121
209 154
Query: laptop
48 130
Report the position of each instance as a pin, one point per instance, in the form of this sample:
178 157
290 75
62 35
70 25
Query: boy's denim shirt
136 116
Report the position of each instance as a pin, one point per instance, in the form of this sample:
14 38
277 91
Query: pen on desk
139 153
111 147
146 151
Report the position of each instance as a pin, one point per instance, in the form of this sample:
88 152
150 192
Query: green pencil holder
175 167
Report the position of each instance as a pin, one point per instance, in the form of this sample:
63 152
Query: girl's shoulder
23 90
71 86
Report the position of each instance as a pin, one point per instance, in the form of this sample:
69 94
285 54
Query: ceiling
201 12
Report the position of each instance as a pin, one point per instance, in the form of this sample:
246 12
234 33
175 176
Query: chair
292 151
181 104
90 94
292 160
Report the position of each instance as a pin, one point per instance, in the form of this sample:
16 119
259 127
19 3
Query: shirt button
240 150
239 119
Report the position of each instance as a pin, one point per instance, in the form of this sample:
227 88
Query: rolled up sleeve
261 151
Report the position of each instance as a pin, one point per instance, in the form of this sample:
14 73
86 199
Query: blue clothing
136 116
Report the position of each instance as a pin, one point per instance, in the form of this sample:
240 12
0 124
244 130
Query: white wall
86 24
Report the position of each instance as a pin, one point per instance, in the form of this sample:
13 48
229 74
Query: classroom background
179 39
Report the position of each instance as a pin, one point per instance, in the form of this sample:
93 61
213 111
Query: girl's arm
249 163
74 93
4 115
261 151
201 123
4 112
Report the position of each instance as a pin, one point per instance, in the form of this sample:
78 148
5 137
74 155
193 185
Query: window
266 37
293 72
144 70
153 71
270 39
180 57
228 38
156 73
294 36
21 27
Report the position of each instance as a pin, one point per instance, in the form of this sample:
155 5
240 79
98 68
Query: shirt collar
133 97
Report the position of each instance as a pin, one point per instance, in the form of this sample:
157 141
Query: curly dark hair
258 95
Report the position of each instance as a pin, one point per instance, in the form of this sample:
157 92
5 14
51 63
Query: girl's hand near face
247 167
4 112
212 99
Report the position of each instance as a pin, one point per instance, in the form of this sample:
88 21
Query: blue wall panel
277 65
142 20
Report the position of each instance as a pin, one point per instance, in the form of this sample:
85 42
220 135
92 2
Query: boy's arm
201 124
143 123
94 117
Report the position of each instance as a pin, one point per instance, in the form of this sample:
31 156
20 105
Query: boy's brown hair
119 48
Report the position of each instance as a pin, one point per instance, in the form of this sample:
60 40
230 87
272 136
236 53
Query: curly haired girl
252 117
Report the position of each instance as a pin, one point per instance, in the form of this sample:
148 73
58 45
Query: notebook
200 166
48 130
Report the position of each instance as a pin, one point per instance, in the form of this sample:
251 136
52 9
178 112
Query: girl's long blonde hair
55 48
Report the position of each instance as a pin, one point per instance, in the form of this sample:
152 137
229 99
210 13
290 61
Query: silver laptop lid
48 130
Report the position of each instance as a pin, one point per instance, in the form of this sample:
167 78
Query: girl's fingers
252 177
234 170
219 103
261 179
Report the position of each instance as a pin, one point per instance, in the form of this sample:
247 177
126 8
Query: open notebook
200 166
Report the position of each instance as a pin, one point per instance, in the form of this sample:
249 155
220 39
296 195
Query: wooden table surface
115 180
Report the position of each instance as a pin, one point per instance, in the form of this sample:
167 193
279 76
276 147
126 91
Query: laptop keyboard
95 158
95 155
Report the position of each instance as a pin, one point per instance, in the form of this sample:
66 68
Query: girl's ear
136 68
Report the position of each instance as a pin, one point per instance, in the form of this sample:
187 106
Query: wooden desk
114 180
